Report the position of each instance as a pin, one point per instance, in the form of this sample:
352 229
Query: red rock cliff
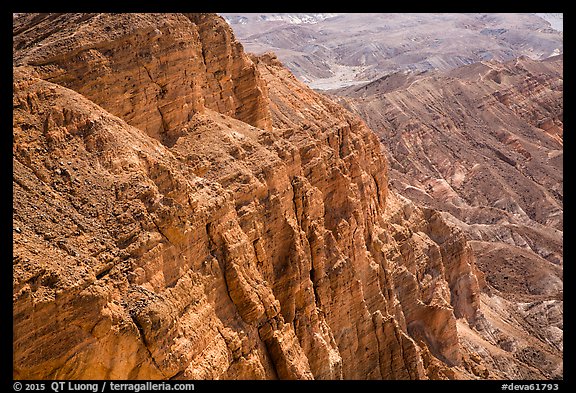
207 216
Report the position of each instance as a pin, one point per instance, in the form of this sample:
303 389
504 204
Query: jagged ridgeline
184 210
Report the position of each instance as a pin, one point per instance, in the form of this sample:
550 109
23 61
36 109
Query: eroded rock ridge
185 211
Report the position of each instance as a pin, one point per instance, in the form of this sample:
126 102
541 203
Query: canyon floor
185 210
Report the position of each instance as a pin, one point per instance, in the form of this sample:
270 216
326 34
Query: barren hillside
182 210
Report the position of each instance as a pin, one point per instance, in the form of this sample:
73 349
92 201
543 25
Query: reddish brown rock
249 236
155 71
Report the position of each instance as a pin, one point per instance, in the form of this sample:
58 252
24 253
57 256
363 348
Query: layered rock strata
212 218
483 144
155 71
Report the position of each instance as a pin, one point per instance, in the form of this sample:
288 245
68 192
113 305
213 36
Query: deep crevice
104 272
145 343
165 140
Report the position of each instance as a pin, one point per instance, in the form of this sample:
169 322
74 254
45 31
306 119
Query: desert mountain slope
333 50
483 144
184 211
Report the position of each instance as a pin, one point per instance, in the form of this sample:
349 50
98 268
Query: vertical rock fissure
398 336
163 123
162 92
314 279
294 205
380 202
160 230
221 264
145 343
269 354
379 349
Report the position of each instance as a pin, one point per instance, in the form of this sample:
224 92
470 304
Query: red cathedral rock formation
182 210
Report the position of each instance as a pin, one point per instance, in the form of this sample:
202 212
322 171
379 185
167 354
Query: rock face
155 71
183 211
